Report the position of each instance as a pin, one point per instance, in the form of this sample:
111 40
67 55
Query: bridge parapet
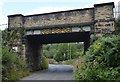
100 16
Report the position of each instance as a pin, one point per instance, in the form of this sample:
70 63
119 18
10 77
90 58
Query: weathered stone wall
104 18
103 12
79 16
101 15
70 17
15 21
104 27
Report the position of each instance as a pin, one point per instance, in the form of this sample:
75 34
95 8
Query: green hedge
102 61
44 64
13 66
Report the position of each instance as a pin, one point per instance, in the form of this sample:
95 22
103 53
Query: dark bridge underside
34 45
59 38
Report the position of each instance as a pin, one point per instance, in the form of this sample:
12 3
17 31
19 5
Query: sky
29 7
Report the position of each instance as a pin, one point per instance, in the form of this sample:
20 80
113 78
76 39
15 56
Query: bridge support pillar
86 44
33 55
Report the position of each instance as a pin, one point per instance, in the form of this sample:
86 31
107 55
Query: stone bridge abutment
33 54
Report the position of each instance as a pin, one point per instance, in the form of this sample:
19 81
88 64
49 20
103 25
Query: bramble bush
102 61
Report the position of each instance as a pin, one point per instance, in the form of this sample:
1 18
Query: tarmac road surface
54 72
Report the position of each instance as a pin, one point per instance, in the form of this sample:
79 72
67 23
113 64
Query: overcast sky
28 7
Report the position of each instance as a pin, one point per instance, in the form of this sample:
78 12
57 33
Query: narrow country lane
54 72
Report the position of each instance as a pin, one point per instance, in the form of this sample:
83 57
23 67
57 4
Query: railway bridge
62 27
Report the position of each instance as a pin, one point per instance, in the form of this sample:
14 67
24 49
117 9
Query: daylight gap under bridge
34 44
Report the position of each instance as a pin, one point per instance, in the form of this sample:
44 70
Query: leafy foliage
44 64
12 38
102 61
104 50
61 52
117 22
14 67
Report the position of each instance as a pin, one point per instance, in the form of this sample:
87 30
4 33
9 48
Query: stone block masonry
101 16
